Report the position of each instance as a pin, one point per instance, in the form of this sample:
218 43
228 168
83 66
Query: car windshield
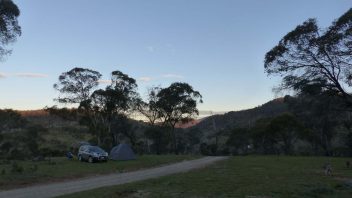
96 149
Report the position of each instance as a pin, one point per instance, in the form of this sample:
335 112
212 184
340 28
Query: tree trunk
174 141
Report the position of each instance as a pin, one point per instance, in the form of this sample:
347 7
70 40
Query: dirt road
62 188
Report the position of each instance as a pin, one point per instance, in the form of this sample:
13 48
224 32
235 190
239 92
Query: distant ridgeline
243 118
260 130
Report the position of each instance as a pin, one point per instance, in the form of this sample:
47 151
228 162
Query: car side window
83 149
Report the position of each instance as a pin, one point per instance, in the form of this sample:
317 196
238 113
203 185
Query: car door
84 153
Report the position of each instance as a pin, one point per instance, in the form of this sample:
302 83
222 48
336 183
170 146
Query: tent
122 152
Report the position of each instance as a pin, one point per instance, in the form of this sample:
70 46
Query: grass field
59 169
247 177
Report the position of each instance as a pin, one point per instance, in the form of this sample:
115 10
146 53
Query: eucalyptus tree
9 27
287 130
310 55
107 108
149 108
154 131
177 103
76 85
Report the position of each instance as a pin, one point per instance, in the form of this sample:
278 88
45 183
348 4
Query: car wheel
80 158
90 160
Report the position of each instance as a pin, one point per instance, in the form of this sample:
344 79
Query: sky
218 47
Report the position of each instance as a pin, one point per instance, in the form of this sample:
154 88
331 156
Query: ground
59 169
248 177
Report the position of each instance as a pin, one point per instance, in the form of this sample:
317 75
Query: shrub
16 168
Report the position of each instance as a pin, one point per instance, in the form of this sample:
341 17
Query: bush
33 168
17 154
16 168
49 152
210 149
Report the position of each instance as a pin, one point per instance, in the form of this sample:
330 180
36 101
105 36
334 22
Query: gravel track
68 187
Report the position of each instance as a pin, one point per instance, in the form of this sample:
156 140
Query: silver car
92 154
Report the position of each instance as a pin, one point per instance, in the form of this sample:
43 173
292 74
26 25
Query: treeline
312 125
106 112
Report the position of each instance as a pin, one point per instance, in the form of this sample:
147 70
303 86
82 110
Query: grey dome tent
122 152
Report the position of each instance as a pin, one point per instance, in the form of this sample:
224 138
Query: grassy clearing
60 169
247 177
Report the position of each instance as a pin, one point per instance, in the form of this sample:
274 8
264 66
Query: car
92 154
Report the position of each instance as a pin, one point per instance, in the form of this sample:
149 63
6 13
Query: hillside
243 118
61 133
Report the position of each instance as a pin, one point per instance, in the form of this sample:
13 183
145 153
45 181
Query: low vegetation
21 173
250 177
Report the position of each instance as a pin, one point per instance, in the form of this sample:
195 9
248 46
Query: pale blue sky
217 46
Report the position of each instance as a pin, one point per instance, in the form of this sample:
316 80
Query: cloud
145 79
151 49
2 75
31 75
210 113
172 76
104 81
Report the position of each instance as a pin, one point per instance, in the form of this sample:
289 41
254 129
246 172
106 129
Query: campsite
177 98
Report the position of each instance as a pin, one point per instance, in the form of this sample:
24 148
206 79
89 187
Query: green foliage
308 56
323 114
33 139
264 140
239 139
177 103
64 113
16 168
243 118
208 149
287 129
194 136
76 85
268 136
10 119
106 109
159 137
9 27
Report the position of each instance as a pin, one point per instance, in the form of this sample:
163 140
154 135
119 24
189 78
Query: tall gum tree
309 55
9 27
76 85
177 103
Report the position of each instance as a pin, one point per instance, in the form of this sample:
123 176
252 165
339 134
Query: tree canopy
9 27
106 110
77 85
178 102
308 55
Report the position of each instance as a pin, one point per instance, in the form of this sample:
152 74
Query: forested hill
243 118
